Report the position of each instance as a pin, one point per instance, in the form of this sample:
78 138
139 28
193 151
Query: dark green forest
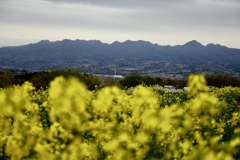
43 78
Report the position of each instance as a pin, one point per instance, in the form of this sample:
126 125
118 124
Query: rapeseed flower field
69 122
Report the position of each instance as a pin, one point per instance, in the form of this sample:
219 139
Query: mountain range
143 57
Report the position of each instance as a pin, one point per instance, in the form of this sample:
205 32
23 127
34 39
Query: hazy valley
127 57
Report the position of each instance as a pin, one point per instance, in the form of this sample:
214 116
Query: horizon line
116 41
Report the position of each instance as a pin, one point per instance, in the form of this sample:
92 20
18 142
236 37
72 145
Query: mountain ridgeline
127 57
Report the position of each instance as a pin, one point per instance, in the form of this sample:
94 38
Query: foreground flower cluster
69 122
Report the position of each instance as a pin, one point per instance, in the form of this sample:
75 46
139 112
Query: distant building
174 90
117 76
168 87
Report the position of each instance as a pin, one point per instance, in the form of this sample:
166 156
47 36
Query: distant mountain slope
130 56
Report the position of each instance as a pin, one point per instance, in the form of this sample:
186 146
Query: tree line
43 78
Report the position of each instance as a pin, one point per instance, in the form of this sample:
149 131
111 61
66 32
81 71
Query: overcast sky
166 22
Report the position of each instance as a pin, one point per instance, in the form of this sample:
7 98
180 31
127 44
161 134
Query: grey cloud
131 16
65 16
127 13
125 3
145 3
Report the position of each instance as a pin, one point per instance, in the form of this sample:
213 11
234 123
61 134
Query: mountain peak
95 41
44 41
212 44
96 57
193 43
